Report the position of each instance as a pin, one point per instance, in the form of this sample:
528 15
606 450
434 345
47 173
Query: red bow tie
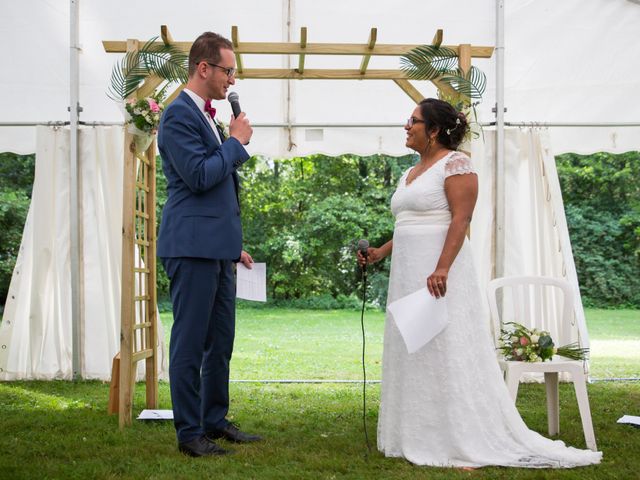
209 109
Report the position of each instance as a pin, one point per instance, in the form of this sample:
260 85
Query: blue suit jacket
202 215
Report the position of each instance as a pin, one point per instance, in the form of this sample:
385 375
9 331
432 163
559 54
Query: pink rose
524 341
153 105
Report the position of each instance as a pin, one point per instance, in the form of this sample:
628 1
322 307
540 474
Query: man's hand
246 259
240 129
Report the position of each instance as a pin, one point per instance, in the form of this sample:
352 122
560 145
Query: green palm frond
472 84
427 62
166 61
126 76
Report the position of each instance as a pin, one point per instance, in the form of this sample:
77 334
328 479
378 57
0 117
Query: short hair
207 47
451 125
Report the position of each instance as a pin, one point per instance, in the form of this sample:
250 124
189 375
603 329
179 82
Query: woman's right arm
375 254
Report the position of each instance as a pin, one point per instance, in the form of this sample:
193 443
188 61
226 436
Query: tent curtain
35 334
536 235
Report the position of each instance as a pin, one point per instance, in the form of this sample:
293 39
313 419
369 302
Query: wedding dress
447 403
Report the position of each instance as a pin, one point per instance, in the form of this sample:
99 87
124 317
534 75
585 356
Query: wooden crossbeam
437 38
290 48
236 43
373 35
149 86
173 96
167 39
322 74
303 45
410 90
464 57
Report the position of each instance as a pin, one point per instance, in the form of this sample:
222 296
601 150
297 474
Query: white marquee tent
569 82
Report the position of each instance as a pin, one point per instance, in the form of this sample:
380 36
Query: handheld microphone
363 245
234 100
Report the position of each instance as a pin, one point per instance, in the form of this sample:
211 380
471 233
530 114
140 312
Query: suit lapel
200 115
194 107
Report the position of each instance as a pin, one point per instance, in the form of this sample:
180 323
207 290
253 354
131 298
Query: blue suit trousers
203 294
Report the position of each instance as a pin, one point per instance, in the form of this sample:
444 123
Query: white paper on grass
147 414
630 419
419 317
251 284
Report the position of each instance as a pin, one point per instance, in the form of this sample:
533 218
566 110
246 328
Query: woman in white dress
447 403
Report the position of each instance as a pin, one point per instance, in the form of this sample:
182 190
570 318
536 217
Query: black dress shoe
201 447
233 434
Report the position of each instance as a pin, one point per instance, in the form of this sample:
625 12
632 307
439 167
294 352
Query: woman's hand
437 282
373 256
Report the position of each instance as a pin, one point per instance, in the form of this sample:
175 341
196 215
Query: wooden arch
138 337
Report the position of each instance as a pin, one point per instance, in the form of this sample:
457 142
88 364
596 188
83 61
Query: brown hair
441 116
207 47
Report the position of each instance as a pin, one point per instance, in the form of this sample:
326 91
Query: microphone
234 100
363 245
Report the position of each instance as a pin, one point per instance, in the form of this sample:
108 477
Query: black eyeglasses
413 120
230 71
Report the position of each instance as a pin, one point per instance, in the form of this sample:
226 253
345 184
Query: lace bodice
426 192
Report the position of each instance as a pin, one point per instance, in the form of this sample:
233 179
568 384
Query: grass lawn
61 430
312 431
312 344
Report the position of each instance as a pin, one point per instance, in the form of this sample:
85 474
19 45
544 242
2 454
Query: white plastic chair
531 308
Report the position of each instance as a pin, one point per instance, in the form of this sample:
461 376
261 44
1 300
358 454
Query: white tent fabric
35 334
569 61
536 232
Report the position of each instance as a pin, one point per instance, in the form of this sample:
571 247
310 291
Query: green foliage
16 180
168 62
428 62
602 203
303 217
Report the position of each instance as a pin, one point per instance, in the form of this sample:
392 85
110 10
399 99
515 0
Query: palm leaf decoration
166 61
428 62
472 84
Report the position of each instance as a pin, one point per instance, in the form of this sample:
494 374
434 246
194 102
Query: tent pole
74 207
499 147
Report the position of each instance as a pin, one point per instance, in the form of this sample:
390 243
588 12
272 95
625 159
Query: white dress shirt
200 102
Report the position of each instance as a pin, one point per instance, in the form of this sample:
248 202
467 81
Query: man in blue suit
200 239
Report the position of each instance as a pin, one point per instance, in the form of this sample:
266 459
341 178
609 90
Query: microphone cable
364 368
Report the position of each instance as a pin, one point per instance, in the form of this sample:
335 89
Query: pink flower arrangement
519 343
153 105
144 113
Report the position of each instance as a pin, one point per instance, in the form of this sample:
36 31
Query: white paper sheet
630 419
156 415
419 317
251 284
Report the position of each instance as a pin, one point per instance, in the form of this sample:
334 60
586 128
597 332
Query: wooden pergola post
138 317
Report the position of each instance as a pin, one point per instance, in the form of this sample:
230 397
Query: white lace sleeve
458 164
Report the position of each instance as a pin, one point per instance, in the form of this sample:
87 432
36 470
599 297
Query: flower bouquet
520 344
143 118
